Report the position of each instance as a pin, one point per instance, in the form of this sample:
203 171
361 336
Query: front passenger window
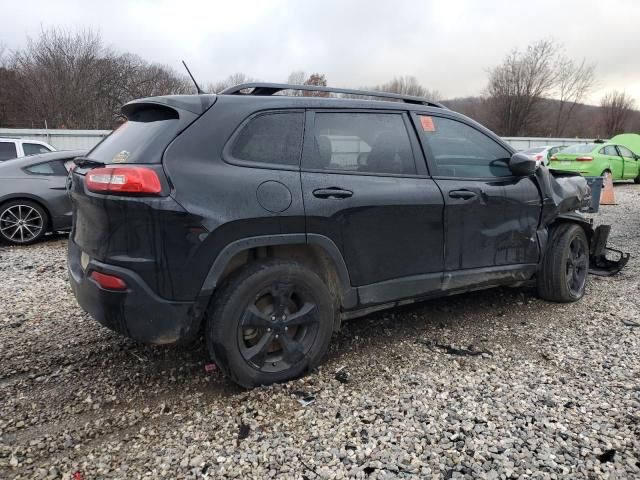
625 152
460 150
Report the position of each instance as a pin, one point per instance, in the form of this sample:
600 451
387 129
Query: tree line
73 80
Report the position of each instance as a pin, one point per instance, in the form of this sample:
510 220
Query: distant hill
585 121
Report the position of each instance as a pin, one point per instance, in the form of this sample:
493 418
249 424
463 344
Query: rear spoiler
197 104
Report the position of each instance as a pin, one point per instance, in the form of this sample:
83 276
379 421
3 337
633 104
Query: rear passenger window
55 167
7 150
460 150
361 142
273 138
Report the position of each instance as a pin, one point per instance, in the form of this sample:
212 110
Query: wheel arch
318 252
564 218
573 217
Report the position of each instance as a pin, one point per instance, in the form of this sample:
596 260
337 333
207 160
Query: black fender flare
348 293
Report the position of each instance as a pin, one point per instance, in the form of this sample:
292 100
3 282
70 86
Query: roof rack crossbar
273 88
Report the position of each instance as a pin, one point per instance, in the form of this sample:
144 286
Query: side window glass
7 150
610 150
272 138
55 167
34 149
459 150
45 168
361 142
625 152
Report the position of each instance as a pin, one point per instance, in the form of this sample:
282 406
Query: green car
599 159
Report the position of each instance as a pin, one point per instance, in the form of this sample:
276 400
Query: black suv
267 219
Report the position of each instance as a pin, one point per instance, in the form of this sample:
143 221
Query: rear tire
270 323
22 222
563 273
636 180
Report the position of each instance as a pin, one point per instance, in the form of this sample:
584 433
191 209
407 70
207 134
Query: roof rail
273 88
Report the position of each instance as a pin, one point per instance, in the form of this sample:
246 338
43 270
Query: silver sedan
33 196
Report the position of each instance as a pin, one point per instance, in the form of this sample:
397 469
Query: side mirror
521 165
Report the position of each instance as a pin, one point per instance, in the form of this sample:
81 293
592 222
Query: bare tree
616 109
72 80
296 77
573 83
230 81
318 80
517 86
408 85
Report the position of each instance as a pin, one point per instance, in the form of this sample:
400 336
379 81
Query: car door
614 161
630 163
491 217
364 190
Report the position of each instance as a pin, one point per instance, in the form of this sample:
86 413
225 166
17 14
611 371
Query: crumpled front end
563 195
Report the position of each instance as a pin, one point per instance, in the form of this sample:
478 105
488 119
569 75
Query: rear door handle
332 192
464 194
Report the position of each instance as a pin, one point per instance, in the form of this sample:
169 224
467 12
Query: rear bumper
137 312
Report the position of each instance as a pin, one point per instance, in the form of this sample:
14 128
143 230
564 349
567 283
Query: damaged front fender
563 195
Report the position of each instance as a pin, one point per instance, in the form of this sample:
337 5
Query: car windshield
580 148
534 150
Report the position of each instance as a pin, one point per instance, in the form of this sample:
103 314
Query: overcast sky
448 44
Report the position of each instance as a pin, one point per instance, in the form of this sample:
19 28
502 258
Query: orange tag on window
427 124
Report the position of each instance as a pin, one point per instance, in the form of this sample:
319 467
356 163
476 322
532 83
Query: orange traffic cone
607 197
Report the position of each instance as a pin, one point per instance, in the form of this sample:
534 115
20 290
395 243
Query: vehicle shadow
463 319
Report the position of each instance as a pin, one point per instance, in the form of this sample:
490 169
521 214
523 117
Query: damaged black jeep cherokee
266 219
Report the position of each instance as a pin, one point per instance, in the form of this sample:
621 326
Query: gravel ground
555 393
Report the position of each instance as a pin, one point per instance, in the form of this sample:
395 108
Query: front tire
272 322
565 265
22 222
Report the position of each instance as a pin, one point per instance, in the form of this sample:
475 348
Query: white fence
85 139
59 139
522 143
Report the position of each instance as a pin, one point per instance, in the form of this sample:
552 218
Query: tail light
125 180
553 158
538 157
584 159
108 282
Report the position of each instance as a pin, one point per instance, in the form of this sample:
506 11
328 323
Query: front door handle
332 192
464 194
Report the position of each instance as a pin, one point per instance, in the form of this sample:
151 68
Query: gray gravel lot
556 393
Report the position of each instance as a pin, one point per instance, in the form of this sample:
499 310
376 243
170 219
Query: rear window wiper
84 162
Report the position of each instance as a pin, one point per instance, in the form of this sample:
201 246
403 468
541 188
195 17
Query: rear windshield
534 150
141 139
580 148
